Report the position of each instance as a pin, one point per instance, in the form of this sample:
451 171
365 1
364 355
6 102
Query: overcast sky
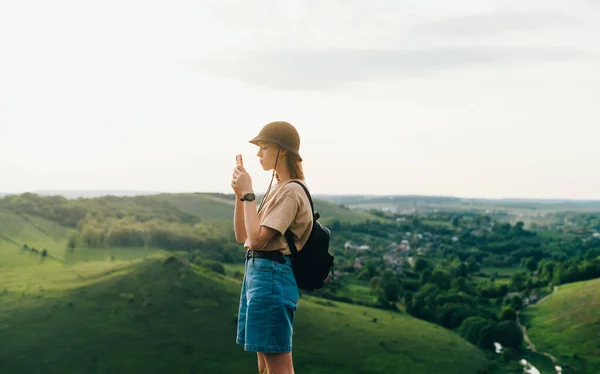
497 98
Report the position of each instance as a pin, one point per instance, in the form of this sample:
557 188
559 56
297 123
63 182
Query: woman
269 296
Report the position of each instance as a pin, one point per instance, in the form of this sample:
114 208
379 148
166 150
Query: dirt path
530 344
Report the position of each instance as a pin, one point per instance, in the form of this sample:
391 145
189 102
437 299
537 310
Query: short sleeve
281 214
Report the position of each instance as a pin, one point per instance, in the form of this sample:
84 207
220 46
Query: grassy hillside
45 221
567 325
18 229
150 316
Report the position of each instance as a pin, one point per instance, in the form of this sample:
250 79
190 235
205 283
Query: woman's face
267 153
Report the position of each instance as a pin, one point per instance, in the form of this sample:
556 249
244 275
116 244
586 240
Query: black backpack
312 264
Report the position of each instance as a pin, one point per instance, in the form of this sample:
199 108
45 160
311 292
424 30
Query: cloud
492 24
336 68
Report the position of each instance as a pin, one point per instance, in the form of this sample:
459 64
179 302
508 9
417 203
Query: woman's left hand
242 179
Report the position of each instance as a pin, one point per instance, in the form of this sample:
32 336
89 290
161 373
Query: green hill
567 325
170 221
152 316
17 229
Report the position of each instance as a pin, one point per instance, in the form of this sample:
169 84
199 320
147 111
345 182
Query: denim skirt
268 303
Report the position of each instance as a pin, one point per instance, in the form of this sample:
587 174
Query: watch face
248 197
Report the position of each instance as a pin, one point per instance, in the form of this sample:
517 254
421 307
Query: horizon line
106 192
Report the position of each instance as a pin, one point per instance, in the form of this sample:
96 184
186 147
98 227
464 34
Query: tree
478 331
215 266
530 264
456 221
72 240
460 284
508 314
451 315
517 281
472 266
227 258
335 225
388 287
442 279
509 334
421 264
372 269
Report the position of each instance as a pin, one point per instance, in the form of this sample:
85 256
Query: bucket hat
281 133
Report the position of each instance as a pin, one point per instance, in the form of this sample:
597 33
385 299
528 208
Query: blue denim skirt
268 303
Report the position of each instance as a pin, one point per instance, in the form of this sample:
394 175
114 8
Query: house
392 259
358 263
512 294
477 233
349 245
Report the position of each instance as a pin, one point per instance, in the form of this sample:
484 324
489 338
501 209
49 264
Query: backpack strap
312 207
288 234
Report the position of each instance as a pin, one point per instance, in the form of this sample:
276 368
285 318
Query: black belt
271 255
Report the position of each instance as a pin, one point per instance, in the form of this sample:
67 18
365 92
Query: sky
494 99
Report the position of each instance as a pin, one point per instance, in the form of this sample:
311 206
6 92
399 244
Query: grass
19 229
357 290
567 325
141 315
204 206
504 275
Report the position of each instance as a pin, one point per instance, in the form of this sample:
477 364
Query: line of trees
128 232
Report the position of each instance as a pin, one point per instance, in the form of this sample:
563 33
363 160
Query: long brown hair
294 165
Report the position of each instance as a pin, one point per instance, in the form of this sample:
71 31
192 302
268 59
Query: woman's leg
262 363
279 363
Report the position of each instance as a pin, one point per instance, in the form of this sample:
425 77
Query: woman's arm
239 227
256 234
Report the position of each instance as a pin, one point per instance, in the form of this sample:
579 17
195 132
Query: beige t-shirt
287 206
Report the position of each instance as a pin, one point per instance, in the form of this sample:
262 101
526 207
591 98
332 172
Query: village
396 254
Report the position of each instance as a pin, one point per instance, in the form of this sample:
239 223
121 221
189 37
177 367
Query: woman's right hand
234 186
236 189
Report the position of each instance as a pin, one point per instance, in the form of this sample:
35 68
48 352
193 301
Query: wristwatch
248 197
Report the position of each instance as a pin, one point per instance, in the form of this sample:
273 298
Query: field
154 316
503 275
567 325
71 303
